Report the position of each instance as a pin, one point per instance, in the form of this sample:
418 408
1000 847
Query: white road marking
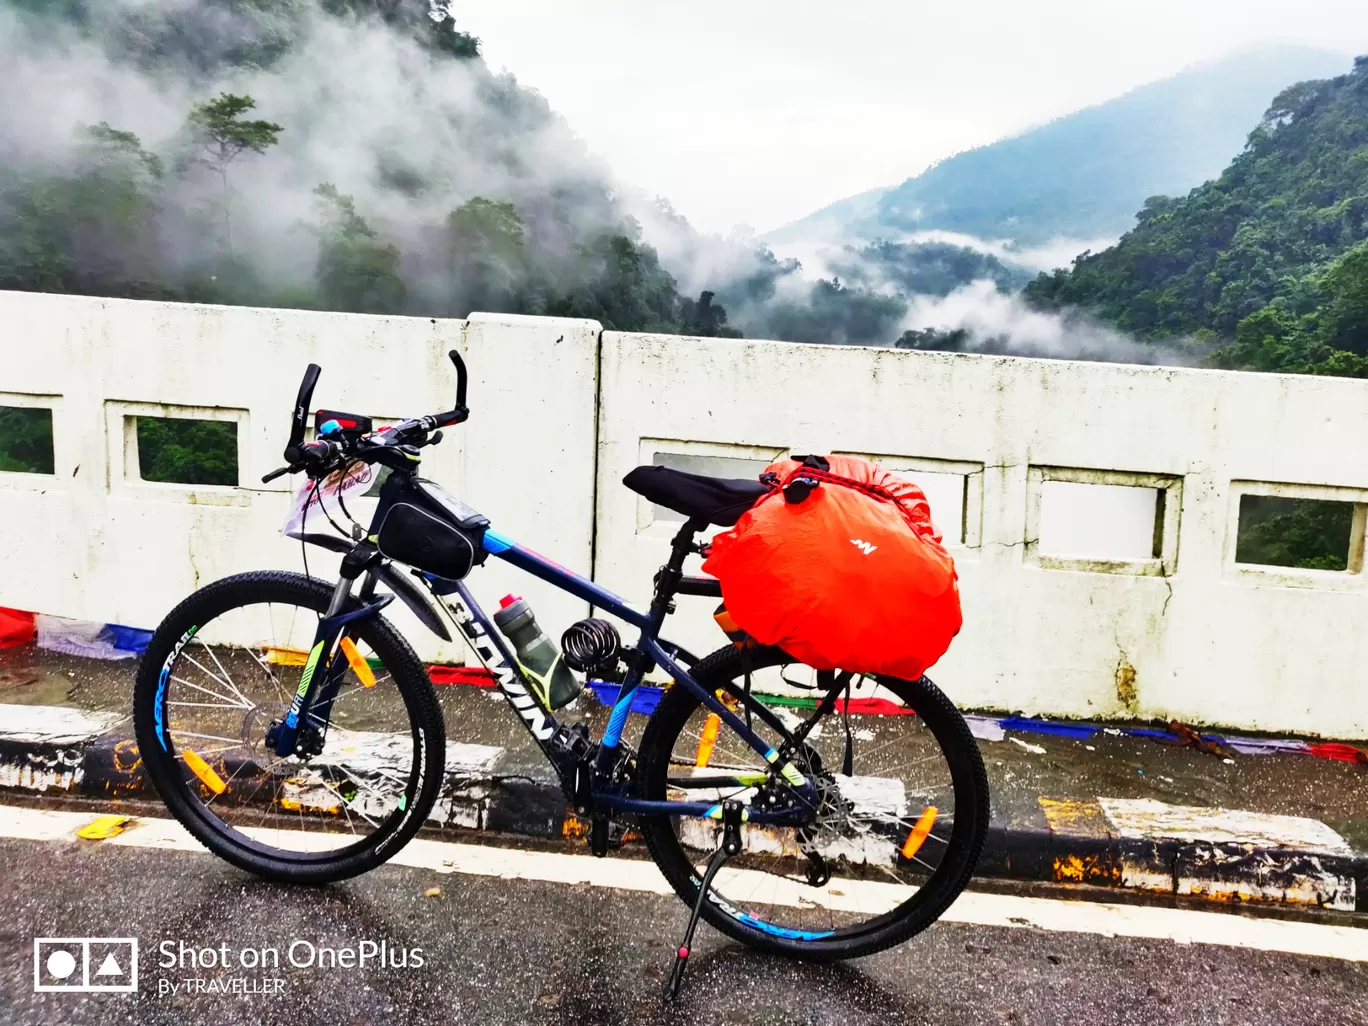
1152 820
1180 926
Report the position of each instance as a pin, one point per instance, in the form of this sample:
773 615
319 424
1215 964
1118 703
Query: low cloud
995 322
1058 252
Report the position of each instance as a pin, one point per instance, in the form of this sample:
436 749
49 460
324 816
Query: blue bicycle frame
649 651
324 669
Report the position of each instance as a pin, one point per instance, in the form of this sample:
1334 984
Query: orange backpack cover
851 577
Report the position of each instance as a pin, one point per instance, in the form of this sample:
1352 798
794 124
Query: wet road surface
546 951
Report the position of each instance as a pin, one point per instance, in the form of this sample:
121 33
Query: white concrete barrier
94 541
1083 595
1092 508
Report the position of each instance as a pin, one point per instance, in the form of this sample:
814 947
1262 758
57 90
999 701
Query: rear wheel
896 833
222 668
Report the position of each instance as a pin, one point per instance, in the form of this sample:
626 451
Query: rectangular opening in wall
945 495
953 488
1307 534
1100 521
703 463
26 440
1103 521
186 450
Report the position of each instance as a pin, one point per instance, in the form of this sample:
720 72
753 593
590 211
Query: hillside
1085 175
1269 261
338 154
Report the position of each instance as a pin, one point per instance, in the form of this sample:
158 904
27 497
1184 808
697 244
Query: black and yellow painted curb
1072 842
1063 841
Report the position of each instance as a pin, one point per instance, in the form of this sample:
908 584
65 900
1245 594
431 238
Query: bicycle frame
493 649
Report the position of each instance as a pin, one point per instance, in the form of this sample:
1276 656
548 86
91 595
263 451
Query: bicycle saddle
718 500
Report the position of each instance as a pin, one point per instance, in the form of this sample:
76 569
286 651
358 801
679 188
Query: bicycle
313 749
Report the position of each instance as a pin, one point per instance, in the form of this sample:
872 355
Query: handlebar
319 455
301 412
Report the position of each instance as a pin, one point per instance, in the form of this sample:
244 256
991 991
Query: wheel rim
220 688
884 831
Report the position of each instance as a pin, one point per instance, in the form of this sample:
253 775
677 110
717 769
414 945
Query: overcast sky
757 112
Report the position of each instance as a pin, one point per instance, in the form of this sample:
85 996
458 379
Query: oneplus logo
85 964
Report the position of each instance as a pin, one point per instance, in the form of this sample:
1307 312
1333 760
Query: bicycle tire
957 745
411 679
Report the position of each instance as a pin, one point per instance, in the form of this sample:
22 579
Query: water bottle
536 653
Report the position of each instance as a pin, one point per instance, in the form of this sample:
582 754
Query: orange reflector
358 664
204 771
919 832
708 740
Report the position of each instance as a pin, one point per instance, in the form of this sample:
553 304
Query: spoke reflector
917 837
204 771
286 656
358 663
708 740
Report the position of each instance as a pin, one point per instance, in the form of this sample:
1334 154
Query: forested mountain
339 154
355 155
359 155
1269 262
1084 175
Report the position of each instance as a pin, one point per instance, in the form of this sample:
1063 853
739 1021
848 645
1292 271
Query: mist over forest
360 155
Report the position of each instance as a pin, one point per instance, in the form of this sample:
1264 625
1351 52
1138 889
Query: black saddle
718 500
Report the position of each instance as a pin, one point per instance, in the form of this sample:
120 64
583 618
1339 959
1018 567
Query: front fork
323 670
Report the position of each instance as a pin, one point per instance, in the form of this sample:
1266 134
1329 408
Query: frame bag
840 566
431 530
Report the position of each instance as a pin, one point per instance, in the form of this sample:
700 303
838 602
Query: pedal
732 811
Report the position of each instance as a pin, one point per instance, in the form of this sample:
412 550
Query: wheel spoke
226 692
228 703
861 826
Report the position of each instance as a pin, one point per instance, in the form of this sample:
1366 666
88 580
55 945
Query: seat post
667 580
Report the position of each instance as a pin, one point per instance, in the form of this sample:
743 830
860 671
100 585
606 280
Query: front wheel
223 667
902 808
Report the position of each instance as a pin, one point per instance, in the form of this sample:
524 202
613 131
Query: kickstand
732 812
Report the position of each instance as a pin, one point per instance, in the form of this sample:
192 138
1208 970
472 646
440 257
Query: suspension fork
318 684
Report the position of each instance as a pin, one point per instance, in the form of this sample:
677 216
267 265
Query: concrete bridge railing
1093 508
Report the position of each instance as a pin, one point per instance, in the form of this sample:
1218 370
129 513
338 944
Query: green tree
623 287
837 314
91 229
487 253
26 440
1309 533
1346 313
221 133
445 37
186 451
1271 258
704 317
355 272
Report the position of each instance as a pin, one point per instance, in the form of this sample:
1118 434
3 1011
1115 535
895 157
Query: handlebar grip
317 452
456 416
302 402
461 377
312 453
